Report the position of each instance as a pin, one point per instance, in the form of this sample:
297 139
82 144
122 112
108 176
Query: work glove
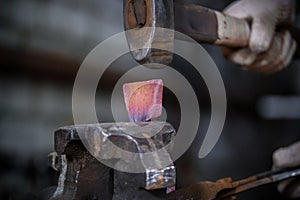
285 158
268 51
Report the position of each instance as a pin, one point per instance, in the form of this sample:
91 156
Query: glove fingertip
279 158
236 10
282 185
261 36
259 44
243 57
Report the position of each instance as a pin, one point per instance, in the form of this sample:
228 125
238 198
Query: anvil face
143 99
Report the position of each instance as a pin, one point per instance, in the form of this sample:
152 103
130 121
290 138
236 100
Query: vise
84 177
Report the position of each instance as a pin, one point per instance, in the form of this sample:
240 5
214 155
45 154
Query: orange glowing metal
143 99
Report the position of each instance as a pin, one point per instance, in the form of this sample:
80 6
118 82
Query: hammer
200 23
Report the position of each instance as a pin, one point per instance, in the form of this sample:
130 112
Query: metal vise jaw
82 176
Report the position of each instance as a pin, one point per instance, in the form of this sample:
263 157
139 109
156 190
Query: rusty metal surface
259 180
206 190
227 189
140 14
82 176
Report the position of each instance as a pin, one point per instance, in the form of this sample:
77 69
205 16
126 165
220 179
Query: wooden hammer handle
210 26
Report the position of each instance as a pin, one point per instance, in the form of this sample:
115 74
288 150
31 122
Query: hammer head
147 42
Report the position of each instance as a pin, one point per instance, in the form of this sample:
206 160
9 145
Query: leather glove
268 51
285 158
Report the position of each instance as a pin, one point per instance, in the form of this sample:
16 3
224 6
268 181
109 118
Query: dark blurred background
42 44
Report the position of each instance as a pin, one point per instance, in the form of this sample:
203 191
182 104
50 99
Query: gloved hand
285 158
268 51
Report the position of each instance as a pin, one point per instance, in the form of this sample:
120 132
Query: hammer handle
210 26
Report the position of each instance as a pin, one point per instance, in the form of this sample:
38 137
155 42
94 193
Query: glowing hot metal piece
143 99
